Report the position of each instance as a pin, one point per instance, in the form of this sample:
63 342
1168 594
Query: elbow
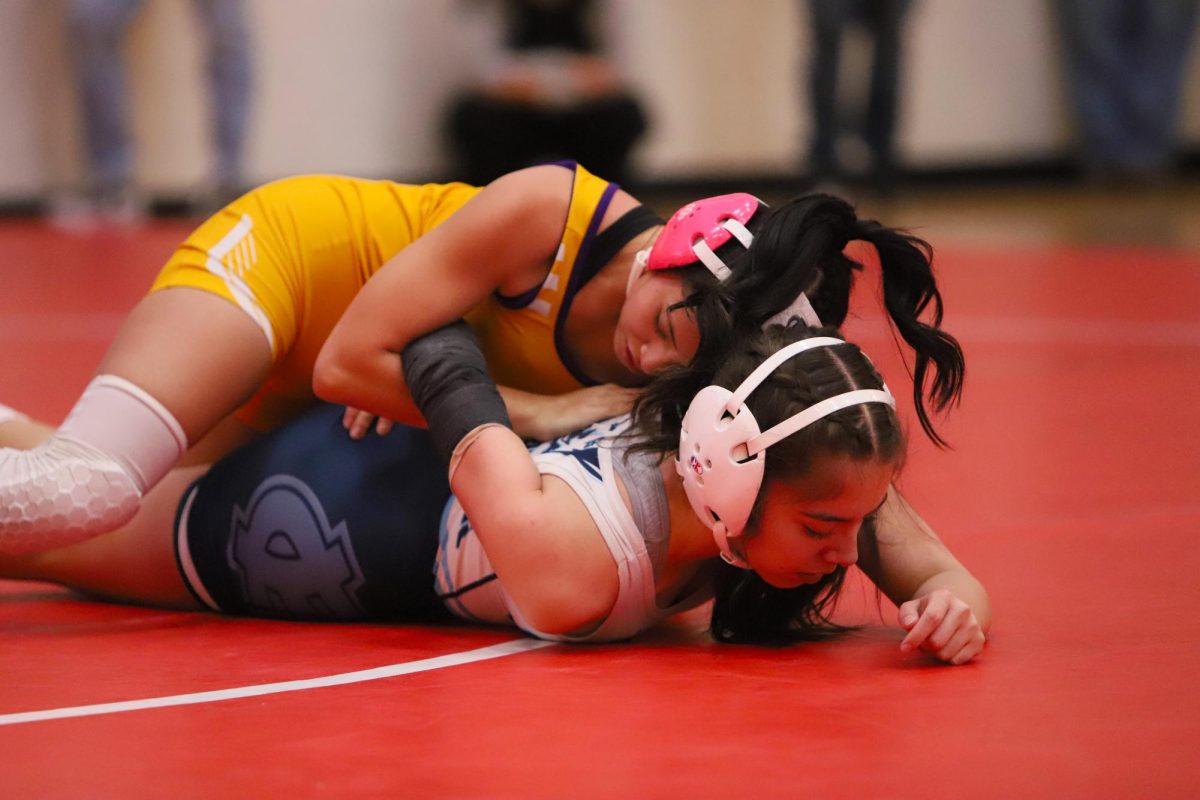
566 607
331 379
554 616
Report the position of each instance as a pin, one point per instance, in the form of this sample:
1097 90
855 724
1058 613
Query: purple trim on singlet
519 301
576 282
513 302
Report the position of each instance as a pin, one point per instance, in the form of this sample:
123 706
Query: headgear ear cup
695 232
722 454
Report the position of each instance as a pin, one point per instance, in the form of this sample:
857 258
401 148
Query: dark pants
1125 66
494 136
883 20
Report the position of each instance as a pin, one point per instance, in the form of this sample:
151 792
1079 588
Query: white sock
88 478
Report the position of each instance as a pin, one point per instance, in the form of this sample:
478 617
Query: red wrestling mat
1072 492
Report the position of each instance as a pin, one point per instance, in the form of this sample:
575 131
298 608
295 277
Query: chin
792 579
784 581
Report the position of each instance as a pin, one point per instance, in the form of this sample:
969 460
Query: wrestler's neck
592 318
691 550
690 540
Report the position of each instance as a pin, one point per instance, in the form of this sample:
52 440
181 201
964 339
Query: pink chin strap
694 232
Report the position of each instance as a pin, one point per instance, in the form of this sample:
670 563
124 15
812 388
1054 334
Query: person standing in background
1125 64
96 30
549 93
883 21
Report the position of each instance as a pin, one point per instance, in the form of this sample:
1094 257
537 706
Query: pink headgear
696 231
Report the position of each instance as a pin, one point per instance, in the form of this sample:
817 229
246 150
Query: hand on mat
359 422
942 625
558 415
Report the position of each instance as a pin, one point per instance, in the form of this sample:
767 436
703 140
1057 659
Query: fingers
910 612
942 625
956 614
611 400
966 643
932 608
357 423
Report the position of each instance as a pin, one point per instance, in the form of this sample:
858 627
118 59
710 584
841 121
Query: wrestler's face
650 334
810 526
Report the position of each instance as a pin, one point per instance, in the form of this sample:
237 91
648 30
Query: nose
843 550
654 356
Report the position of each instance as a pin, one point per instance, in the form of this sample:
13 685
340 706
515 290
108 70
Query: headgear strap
801 308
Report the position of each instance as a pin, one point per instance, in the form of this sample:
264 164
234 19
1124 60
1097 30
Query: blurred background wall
359 87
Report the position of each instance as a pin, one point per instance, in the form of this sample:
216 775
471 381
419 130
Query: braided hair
746 608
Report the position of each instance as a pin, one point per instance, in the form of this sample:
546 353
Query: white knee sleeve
88 478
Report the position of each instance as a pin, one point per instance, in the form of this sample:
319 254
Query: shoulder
536 190
550 189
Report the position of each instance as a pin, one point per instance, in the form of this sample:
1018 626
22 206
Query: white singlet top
585 461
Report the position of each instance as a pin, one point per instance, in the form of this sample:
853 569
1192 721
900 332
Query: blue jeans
1125 65
97 28
883 20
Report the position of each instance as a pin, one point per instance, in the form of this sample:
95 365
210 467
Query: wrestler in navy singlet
306 523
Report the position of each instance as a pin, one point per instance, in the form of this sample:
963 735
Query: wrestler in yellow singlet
292 254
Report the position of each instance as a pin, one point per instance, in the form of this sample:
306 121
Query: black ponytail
798 247
909 290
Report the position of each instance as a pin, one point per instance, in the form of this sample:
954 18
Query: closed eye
664 325
661 325
815 534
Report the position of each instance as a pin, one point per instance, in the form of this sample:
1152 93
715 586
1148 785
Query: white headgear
721 450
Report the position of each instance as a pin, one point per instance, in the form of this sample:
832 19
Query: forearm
373 383
910 561
525 411
543 417
963 585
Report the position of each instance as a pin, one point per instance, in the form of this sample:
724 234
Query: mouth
625 356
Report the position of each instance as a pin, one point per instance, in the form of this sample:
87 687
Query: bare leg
133 564
182 362
196 353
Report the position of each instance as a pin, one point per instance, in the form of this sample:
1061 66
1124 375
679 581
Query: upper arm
504 239
539 536
905 553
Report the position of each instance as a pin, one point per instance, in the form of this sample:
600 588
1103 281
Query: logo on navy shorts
292 562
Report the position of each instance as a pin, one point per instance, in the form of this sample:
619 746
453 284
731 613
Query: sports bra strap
610 240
